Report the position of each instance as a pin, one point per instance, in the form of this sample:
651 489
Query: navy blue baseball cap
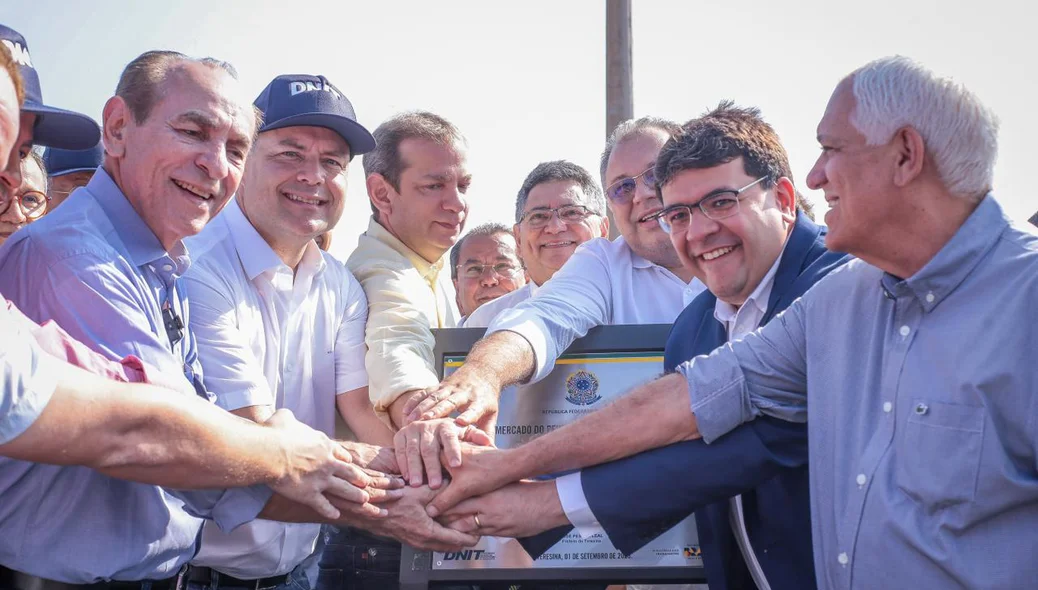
54 127
298 99
59 162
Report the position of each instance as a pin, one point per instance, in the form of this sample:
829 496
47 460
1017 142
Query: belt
212 578
21 581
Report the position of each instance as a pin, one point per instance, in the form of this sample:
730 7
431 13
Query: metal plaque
580 384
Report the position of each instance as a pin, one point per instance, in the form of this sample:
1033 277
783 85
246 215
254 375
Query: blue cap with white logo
301 100
59 162
54 127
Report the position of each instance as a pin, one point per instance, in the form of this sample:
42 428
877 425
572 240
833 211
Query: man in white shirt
280 324
634 279
559 207
484 268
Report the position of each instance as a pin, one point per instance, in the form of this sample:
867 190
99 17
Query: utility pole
619 72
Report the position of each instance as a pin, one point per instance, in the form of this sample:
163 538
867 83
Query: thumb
476 436
445 500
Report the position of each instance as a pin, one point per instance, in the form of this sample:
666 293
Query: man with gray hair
920 401
558 208
604 282
485 267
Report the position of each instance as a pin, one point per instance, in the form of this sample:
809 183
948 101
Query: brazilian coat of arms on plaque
582 388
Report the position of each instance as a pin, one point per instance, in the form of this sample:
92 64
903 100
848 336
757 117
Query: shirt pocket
940 459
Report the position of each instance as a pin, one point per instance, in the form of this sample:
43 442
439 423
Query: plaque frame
416 567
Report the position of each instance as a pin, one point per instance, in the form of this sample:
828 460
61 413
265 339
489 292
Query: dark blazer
638 498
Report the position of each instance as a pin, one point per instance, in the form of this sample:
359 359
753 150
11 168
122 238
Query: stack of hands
441 488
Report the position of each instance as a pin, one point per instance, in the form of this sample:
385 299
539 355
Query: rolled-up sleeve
230 508
398 333
564 309
350 349
229 366
764 373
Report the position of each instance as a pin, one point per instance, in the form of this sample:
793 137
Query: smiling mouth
194 190
715 254
649 216
304 200
562 244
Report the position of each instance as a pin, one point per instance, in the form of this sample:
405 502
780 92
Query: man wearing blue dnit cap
68 170
106 267
280 324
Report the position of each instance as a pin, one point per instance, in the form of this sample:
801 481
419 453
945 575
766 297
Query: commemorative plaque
609 362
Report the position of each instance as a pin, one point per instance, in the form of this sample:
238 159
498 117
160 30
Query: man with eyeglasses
68 170
29 200
484 267
604 282
919 395
733 216
558 208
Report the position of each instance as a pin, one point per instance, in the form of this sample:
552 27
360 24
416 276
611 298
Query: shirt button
930 297
921 409
887 407
843 559
860 479
167 267
905 330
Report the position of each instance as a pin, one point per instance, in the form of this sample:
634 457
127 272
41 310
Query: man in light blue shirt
105 267
913 365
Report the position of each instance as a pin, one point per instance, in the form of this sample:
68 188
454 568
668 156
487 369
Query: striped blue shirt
920 398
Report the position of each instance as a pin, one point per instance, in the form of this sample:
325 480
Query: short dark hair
561 170
385 159
724 134
486 229
631 128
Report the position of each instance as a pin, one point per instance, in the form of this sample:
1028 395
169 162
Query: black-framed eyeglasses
622 191
475 270
32 203
568 214
716 205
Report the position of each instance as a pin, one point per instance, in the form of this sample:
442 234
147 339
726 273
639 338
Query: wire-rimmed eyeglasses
716 205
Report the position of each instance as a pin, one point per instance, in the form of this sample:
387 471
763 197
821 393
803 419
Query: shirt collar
956 259
725 312
428 270
140 242
254 252
636 260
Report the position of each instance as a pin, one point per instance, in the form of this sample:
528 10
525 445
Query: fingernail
455 462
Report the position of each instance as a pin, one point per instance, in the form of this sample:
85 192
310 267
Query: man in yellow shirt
416 179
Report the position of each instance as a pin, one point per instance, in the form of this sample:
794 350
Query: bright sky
525 81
